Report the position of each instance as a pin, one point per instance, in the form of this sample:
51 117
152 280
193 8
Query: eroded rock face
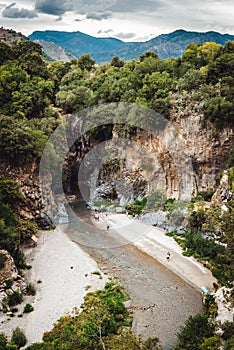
223 193
8 270
33 206
185 157
225 305
181 160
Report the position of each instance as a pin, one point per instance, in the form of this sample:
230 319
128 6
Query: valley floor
61 271
154 242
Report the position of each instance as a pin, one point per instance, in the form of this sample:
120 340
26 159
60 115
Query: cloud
11 11
105 31
54 7
98 16
125 35
137 5
58 19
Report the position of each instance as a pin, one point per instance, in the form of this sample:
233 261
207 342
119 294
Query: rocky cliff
122 164
187 156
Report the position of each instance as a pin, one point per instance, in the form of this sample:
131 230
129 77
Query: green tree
85 62
117 62
194 332
3 341
5 52
18 337
191 80
212 343
229 345
19 143
219 111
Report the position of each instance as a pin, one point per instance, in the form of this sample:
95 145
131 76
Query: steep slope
55 52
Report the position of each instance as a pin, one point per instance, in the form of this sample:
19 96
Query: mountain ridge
104 49
77 42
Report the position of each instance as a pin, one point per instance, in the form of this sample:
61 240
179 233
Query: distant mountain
104 49
173 44
77 42
55 52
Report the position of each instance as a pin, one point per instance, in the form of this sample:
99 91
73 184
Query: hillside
9 36
56 52
104 49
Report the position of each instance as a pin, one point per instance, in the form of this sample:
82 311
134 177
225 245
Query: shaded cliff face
187 156
122 163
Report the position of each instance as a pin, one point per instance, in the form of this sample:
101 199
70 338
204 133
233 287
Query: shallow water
160 300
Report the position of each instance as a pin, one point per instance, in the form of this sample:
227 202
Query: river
160 300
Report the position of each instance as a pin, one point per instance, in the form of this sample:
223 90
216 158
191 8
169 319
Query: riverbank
62 274
154 242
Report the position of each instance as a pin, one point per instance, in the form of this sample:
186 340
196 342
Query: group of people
168 256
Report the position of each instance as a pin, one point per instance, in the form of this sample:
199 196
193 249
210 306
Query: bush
11 346
30 289
229 345
193 333
136 207
28 308
14 298
18 337
3 341
228 330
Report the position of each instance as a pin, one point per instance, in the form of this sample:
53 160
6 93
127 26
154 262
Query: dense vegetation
29 88
32 93
103 323
14 230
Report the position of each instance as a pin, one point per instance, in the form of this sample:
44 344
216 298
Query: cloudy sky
129 20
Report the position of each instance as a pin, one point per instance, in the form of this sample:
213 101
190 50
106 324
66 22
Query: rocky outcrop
32 207
183 157
223 194
186 156
8 270
10 280
225 308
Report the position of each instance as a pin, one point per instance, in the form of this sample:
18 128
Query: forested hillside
34 99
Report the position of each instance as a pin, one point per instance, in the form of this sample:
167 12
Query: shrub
28 308
14 298
11 346
3 341
18 337
136 207
228 330
30 289
193 333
